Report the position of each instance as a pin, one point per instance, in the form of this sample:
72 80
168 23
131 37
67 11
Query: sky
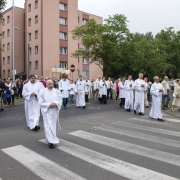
143 15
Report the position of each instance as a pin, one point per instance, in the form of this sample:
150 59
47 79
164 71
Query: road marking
151 129
160 140
41 166
128 147
166 119
108 163
148 121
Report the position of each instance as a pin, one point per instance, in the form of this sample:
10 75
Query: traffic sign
72 68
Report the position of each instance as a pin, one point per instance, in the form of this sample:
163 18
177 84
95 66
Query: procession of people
47 96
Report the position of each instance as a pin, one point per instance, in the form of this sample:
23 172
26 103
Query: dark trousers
109 91
65 101
20 92
86 98
103 99
71 97
12 98
8 101
117 95
165 100
122 103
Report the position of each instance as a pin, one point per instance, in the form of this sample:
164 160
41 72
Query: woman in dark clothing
8 92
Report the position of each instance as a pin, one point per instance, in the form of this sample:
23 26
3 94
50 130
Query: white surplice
50 115
129 94
73 89
122 90
32 107
64 87
139 95
81 90
156 101
103 87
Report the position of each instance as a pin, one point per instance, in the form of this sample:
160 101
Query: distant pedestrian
8 91
72 91
165 97
176 94
19 86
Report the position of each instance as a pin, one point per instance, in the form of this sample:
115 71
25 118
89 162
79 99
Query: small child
72 91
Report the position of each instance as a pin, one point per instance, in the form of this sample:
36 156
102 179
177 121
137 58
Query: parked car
171 84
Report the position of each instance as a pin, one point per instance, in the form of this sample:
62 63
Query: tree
2 7
101 42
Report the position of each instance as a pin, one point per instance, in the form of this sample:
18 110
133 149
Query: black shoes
128 110
162 120
37 128
134 112
84 107
141 114
51 146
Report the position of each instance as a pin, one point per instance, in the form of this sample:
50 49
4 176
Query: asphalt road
102 142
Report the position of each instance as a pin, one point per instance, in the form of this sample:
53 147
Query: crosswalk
47 169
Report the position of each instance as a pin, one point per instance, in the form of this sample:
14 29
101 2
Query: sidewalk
176 113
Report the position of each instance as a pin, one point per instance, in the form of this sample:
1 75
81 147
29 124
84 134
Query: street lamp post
17 28
13 67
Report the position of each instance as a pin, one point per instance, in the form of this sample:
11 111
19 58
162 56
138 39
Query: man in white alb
157 91
129 87
140 87
32 109
50 100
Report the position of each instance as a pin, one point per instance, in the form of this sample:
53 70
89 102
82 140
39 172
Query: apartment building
48 40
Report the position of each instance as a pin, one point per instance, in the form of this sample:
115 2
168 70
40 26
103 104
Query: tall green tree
2 7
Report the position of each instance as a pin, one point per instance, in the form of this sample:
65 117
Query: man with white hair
50 100
157 91
140 87
32 109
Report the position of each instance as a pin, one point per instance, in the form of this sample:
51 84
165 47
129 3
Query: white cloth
109 84
103 88
122 90
73 89
139 95
32 107
129 94
50 115
81 90
156 101
64 87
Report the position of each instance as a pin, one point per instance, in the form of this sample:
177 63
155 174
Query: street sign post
72 69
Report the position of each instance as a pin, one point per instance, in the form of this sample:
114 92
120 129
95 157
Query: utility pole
13 67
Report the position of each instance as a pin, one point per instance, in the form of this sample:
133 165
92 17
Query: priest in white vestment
140 87
81 91
122 92
32 108
129 87
50 100
88 87
157 91
103 89
64 87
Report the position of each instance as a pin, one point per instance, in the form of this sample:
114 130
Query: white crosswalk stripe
121 131
119 167
41 166
151 129
132 148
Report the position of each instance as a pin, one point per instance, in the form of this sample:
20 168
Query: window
63 65
8 19
8 32
29 51
3 47
36 34
3 22
36 64
36 49
3 35
4 73
63 50
3 60
78 19
63 21
85 73
63 7
8 60
8 46
36 4
63 36
8 73
36 19
29 7
84 21
29 22
30 65
85 61
29 36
